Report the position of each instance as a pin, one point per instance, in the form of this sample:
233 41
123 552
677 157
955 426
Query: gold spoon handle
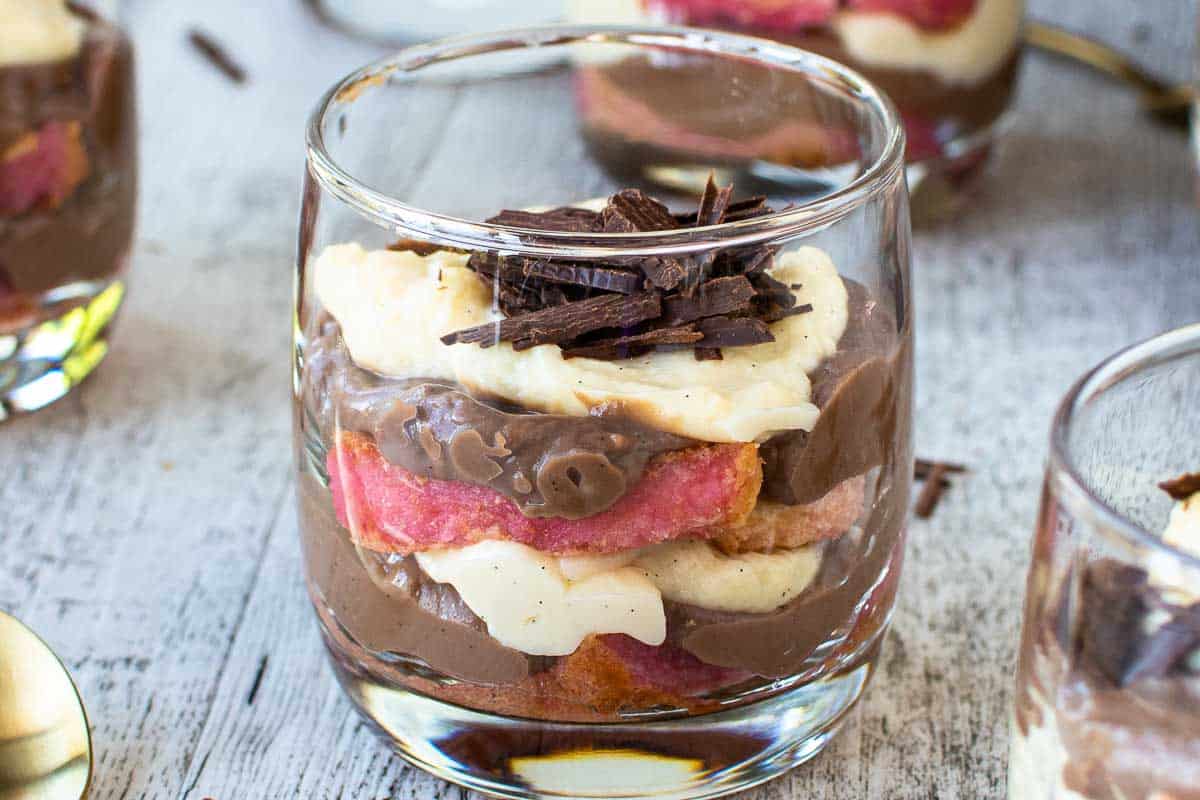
1096 55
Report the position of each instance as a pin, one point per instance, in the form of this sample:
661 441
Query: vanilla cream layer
967 55
546 605
37 31
393 307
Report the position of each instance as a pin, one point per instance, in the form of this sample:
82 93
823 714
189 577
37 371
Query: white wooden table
147 526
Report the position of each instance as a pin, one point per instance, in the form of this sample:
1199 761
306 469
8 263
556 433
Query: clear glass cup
1108 685
950 66
579 564
68 196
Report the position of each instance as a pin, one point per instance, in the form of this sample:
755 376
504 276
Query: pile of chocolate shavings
629 306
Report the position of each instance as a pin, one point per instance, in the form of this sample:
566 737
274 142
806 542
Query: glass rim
1113 370
811 216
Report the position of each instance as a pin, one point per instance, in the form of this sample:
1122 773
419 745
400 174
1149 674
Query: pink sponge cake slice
389 509
791 16
780 16
928 14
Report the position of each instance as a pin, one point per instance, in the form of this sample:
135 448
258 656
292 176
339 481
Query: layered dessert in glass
68 187
1108 685
949 65
613 479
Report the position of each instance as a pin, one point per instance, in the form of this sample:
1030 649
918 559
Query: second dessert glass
599 497
1108 686
68 193
949 65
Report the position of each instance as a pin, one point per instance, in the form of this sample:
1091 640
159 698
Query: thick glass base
44 360
686 757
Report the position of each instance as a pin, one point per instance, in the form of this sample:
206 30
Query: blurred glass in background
406 21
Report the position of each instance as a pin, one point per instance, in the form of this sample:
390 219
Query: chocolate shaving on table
934 474
628 306
924 466
931 492
216 55
1183 487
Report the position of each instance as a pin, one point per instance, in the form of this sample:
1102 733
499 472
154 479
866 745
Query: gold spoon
45 745
1167 102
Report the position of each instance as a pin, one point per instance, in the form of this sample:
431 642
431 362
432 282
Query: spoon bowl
45 744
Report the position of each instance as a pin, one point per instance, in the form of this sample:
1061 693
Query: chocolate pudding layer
86 235
1108 699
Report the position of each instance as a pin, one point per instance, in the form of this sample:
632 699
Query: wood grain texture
146 523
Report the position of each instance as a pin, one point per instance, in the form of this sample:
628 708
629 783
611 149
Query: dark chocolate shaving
665 273
605 279
563 323
216 55
923 467
733 331
631 210
566 218
776 314
630 346
714 204
934 474
632 305
715 297
931 493
749 208
1183 487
